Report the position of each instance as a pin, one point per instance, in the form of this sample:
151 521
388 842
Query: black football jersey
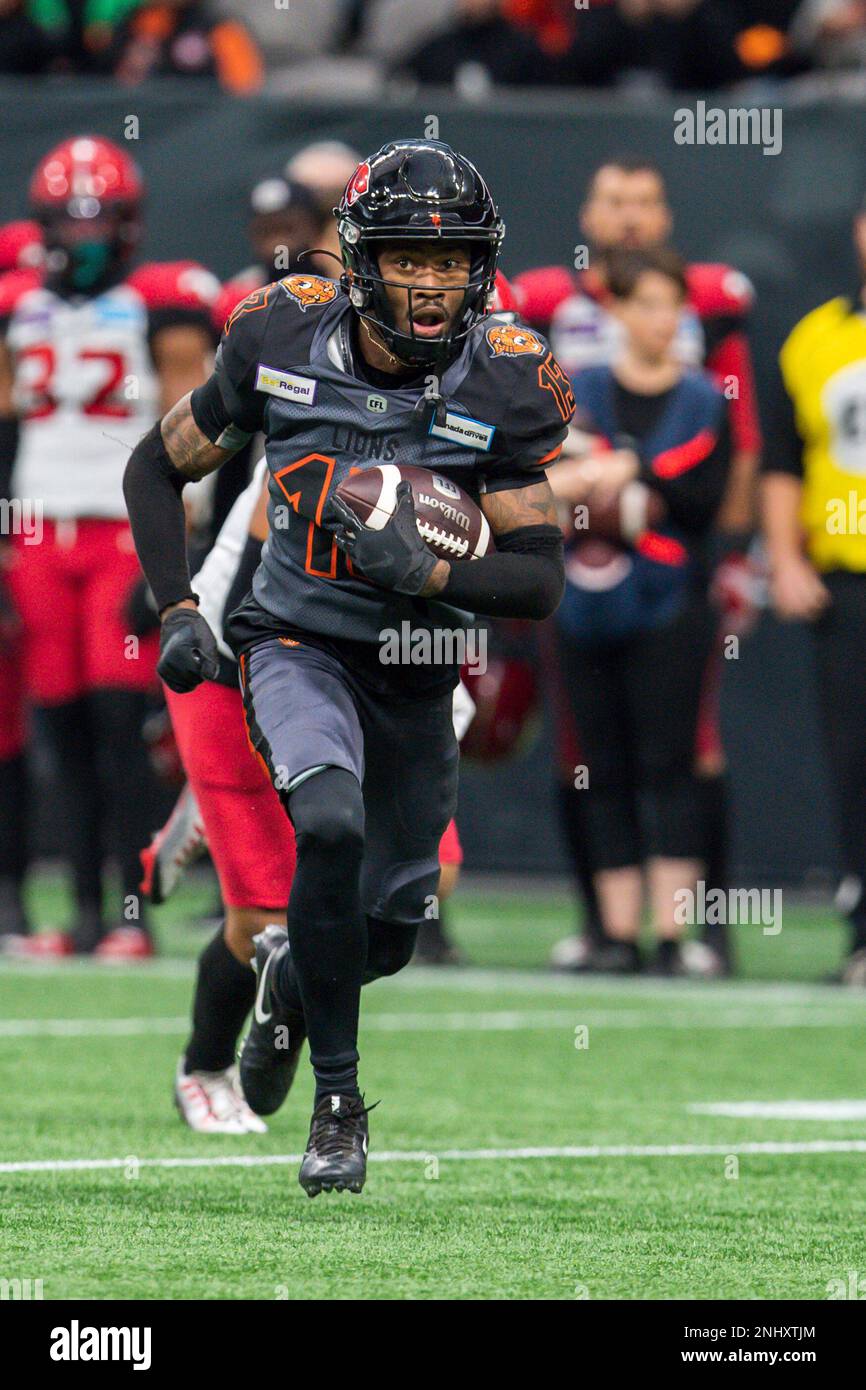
286 366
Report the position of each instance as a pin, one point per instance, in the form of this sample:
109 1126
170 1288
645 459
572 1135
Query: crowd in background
468 44
605 663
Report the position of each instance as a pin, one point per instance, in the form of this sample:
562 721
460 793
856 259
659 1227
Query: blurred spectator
483 49
184 38
24 47
635 627
292 31
683 44
393 29
831 32
60 36
551 22
284 222
325 167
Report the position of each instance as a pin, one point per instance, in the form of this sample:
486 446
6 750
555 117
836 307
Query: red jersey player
89 359
20 261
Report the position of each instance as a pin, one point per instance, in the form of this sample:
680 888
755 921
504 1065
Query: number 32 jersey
289 365
85 384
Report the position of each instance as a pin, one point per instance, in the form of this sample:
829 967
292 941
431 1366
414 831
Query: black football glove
394 557
188 653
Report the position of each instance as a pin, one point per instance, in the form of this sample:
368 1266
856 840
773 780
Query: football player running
230 806
389 361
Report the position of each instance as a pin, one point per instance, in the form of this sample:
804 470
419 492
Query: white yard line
783 1109
817 1146
498 1021
477 980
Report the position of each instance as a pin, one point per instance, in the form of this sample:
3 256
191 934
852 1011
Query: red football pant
251 839
71 592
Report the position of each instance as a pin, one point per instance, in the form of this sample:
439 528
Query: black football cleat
336 1156
270 1052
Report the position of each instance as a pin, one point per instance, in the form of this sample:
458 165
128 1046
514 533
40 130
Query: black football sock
668 953
71 736
573 822
13 843
327 931
629 950
128 782
713 810
224 994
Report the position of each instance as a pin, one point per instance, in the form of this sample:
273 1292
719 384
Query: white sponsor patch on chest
460 429
285 385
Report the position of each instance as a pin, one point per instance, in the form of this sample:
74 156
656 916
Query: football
453 526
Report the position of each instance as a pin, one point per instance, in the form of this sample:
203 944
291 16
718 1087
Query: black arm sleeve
242 583
8 450
152 487
524 578
694 497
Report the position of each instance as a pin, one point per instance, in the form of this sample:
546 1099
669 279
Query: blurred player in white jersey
89 359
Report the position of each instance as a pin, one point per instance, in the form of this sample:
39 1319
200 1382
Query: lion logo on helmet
309 289
511 340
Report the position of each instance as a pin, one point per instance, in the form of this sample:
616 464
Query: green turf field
643 1196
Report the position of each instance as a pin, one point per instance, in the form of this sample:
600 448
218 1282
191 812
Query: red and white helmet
86 193
85 167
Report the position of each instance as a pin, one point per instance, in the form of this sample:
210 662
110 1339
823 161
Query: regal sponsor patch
309 289
286 385
512 340
460 429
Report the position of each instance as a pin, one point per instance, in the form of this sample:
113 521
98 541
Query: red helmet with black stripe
86 193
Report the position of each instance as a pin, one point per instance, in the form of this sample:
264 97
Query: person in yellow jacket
814 521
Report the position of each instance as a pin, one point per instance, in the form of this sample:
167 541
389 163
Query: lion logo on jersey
309 289
512 339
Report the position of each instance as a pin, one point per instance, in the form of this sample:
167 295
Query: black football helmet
424 190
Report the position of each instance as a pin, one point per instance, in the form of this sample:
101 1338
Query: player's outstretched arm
173 453
524 578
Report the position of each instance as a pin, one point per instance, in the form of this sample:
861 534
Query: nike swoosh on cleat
258 1011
